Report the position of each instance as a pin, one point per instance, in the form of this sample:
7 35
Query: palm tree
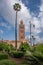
17 8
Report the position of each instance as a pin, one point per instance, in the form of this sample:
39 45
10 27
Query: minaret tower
21 31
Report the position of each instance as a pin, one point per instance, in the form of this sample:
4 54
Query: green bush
11 47
1 46
3 56
39 48
7 62
34 59
17 54
24 47
6 47
39 56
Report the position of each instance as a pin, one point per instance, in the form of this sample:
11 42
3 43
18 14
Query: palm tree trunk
16 32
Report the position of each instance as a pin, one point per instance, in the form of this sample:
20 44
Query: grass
7 62
31 56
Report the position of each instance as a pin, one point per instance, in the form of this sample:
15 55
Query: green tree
17 8
24 47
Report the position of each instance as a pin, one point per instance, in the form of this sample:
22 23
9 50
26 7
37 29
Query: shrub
24 47
34 59
6 47
11 47
1 46
3 56
17 54
39 48
7 62
39 56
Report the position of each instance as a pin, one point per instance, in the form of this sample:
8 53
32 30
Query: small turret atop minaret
21 31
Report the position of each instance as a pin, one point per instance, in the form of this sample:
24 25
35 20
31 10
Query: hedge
3 56
17 54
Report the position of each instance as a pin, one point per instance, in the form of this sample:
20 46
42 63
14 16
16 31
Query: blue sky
31 10
6 30
33 6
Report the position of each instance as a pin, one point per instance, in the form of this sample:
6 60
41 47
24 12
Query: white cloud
5 25
6 10
41 21
41 40
1 31
9 13
41 7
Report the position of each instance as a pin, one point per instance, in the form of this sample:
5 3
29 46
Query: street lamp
33 38
31 32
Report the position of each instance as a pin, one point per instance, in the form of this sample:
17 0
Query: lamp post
30 32
33 35
17 8
33 38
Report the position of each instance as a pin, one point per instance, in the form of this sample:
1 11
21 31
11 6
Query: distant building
21 36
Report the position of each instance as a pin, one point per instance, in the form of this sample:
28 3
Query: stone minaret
21 31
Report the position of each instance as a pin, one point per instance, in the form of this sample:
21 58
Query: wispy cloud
5 25
1 31
7 11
